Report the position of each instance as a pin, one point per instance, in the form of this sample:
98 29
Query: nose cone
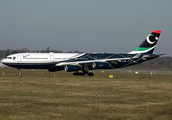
2 61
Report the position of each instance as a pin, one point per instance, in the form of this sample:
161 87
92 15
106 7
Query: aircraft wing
89 62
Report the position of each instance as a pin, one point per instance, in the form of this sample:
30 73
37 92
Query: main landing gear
84 73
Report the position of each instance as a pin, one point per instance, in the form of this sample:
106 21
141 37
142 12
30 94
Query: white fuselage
39 57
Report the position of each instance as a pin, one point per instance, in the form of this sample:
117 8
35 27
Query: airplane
75 62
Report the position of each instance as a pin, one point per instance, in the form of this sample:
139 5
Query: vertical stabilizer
148 44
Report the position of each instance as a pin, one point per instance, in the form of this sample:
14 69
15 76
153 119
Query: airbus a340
74 62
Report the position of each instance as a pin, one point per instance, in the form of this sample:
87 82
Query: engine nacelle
100 65
71 68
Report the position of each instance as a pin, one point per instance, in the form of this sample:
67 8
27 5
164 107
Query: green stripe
142 48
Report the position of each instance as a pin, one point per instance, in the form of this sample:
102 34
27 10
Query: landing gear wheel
19 73
78 73
90 74
83 74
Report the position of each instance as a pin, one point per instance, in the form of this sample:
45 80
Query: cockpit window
11 58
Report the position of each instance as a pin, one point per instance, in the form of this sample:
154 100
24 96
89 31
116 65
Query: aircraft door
51 57
19 58
129 60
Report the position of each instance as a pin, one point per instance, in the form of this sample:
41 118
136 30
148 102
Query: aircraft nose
3 60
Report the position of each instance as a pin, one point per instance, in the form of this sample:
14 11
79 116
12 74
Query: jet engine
71 68
100 65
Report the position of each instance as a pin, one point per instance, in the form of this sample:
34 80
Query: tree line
161 62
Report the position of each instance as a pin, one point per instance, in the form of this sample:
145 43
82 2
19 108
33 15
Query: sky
115 26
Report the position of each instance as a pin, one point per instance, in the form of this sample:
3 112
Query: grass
38 95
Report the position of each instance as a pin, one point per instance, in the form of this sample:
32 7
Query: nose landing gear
19 71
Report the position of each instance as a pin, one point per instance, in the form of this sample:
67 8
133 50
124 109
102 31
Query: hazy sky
84 25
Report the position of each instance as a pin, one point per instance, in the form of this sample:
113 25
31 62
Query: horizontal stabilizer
153 56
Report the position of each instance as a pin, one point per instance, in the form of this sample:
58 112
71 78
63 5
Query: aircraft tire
79 73
90 74
19 73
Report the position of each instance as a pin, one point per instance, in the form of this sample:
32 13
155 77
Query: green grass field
41 95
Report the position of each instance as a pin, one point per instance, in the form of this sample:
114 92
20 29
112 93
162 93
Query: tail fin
148 44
